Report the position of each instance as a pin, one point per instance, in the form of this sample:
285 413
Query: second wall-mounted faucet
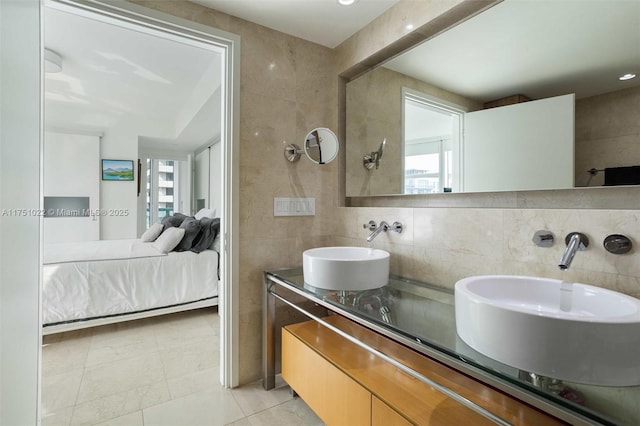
383 227
576 241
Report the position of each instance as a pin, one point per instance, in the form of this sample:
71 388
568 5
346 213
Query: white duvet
79 290
98 250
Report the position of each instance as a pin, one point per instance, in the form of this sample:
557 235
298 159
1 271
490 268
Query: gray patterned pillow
191 228
210 229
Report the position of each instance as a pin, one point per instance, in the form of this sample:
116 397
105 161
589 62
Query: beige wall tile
289 86
607 134
374 110
459 231
286 88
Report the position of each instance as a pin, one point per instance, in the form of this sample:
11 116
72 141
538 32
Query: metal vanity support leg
268 336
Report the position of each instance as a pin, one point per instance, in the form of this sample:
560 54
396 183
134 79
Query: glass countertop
424 314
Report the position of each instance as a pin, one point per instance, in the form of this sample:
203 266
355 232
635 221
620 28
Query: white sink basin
345 268
573 332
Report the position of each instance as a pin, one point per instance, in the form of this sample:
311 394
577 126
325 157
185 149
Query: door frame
148 20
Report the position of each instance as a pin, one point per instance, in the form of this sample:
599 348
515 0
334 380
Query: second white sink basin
569 331
345 268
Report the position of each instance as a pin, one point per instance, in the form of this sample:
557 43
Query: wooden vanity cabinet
383 415
334 397
345 384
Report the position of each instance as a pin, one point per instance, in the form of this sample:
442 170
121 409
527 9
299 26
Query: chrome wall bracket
292 152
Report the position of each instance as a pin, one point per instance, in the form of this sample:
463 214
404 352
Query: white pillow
169 239
210 213
152 233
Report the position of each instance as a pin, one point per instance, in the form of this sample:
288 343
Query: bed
101 282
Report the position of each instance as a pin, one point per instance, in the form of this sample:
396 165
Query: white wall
72 169
201 177
186 184
215 173
208 177
120 143
19 189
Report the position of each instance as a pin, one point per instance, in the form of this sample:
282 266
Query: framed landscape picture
118 170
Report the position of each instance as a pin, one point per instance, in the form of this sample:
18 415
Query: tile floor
156 371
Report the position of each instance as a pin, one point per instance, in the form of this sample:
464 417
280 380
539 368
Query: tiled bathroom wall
443 245
289 86
374 108
447 238
607 134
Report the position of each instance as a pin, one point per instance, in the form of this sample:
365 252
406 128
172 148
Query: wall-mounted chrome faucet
575 241
383 227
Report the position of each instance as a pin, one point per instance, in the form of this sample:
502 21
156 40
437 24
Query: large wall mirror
549 80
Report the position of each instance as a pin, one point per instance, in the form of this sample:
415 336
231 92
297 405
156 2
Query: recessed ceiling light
347 2
627 76
409 27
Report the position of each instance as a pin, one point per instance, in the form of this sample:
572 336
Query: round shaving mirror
320 146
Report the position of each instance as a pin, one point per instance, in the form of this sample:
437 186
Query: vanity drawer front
318 363
383 415
334 397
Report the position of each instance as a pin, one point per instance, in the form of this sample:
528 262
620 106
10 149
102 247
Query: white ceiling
114 76
166 92
117 78
321 21
536 48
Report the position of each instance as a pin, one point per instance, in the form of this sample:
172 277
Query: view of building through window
162 189
431 134
165 187
423 173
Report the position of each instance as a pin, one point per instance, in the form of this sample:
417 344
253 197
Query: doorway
164 27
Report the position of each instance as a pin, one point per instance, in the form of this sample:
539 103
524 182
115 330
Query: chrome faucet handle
543 238
396 227
371 226
617 244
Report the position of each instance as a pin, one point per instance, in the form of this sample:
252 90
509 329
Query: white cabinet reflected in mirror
502 55
525 146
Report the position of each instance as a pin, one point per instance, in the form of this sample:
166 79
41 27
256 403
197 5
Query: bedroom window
163 189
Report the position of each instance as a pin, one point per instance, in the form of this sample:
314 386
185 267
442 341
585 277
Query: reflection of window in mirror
432 130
